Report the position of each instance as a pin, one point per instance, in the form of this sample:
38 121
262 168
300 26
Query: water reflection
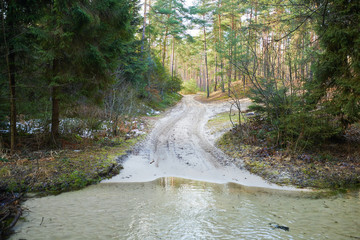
173 208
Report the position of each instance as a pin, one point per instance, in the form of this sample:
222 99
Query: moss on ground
64 170
222 122
219 122
307 169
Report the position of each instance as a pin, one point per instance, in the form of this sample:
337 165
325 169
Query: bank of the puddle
79 163
60 172
66 170
172 208
301 170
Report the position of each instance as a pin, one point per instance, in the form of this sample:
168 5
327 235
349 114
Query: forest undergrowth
334 165
41 167
52 171
330 164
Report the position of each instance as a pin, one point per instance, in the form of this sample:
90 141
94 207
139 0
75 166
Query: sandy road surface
181 146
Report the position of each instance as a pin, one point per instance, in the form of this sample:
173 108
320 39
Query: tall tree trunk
176 63
144 28
200 76
265 55
215 74
244 84
12 82
231 55
206 65
235 51
185 72
10 67
55 114
172 57
149 24
279 60
234 59
302 57
164 47
204 77
255 42
221 59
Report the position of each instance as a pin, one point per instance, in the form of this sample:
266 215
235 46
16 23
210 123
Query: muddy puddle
176 208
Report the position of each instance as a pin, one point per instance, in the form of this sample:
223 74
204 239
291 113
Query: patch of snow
250 114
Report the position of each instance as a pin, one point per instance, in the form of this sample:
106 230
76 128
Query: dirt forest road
180 145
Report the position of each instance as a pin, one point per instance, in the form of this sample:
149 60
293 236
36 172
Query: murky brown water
173 208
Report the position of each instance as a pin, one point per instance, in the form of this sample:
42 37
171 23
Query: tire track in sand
178 146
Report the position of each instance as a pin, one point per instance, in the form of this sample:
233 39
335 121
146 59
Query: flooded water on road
175 208
147 201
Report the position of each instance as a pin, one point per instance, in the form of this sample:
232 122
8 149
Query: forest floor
54 171
71 167
40 168
334 165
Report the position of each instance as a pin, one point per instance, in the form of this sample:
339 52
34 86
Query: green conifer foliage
337 77
80 41
16 18
169 16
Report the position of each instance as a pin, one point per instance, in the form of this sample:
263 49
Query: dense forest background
297 60
71 66
103 61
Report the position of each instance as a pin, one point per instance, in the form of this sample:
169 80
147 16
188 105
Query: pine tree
169 13
204 10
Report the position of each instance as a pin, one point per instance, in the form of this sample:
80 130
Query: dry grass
236 87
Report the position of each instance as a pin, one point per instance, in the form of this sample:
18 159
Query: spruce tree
337 72
80 41
16 19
